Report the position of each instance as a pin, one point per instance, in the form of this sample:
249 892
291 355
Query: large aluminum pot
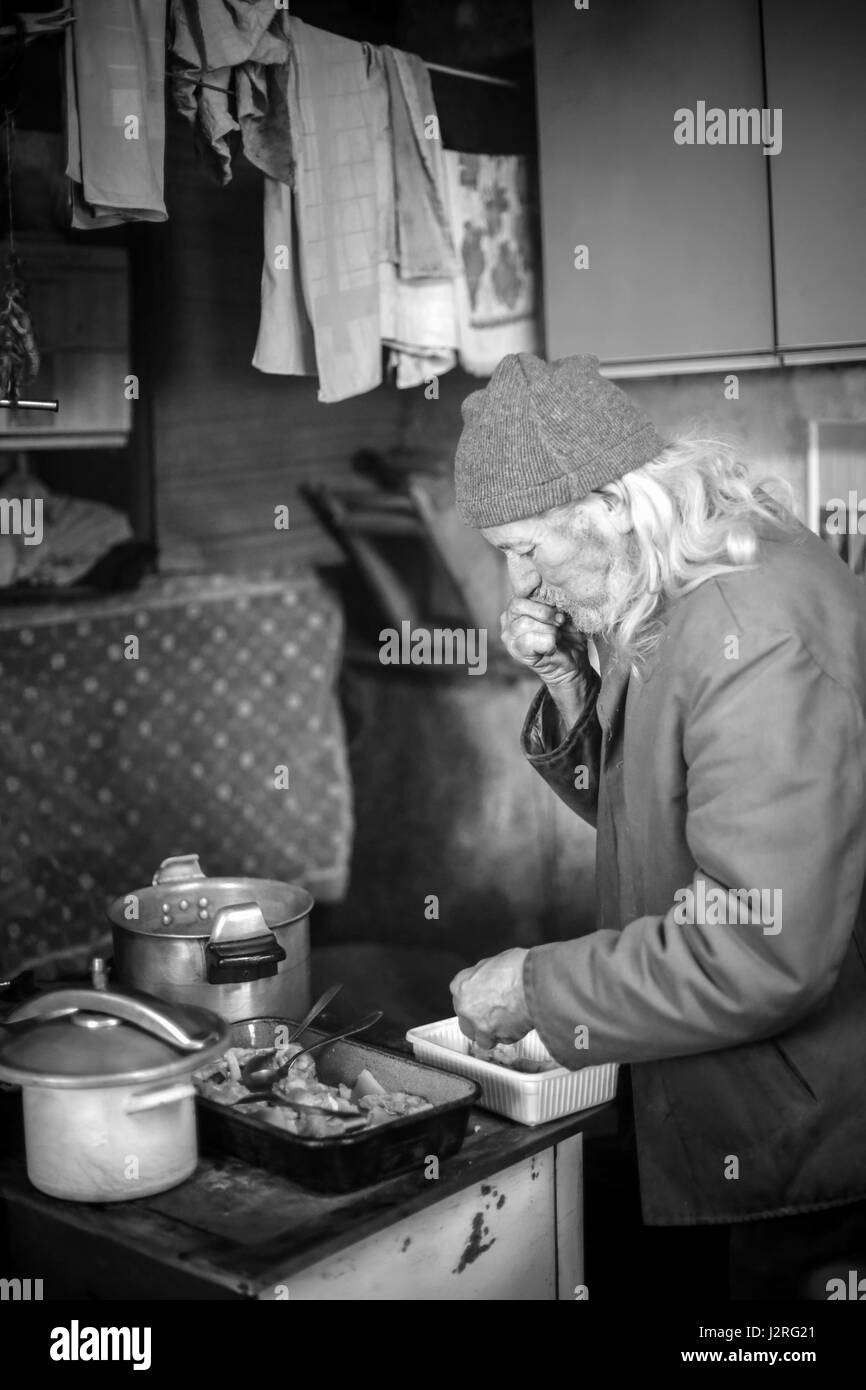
109 1104
238 946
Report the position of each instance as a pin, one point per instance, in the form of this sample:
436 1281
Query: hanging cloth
492 221
115 111
328 240
417 274
241 47
424 243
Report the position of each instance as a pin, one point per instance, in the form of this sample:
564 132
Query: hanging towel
493 228
417 275
424 242
338 112
115 112
285 341
419 326
242 47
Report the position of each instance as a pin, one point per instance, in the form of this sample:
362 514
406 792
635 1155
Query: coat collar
614 684
616 677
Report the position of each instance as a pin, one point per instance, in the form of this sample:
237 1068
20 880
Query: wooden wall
229 443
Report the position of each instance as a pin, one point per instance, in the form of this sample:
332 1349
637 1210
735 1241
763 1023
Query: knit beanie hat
540 434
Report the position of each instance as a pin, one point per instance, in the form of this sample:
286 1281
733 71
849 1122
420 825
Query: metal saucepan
239 946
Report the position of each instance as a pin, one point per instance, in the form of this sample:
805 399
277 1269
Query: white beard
587 618
598 616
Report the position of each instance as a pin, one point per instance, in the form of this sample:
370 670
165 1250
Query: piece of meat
304 1068
508 1055
392 1103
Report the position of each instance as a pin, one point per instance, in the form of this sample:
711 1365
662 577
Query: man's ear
606 510
621 519
617 512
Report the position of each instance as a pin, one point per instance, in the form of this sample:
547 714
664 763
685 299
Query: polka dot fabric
197 715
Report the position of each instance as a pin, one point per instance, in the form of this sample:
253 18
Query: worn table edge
250 1269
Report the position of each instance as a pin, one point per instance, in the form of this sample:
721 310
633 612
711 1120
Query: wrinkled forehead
564 520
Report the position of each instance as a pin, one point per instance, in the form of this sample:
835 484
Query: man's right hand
547 641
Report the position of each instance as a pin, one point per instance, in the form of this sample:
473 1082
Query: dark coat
743 764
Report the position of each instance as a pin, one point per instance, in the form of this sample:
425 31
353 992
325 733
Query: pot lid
93 1037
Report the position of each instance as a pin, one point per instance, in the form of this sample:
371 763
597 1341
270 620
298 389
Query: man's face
575 559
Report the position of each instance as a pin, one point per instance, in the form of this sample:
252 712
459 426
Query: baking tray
353 1160
532 1098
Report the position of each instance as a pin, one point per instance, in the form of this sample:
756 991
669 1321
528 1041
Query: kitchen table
503 1220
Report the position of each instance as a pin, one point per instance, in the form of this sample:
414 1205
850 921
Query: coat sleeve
570 767
775 802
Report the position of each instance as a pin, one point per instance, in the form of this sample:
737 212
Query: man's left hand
489 999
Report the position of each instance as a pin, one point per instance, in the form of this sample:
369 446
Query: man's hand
489 1000
547 641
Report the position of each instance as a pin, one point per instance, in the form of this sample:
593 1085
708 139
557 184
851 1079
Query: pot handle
130 1008
178 868
241 947
167 1095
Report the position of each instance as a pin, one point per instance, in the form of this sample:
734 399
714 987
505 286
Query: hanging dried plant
19 355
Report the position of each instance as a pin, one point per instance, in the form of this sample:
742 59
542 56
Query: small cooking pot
239 946
109 1104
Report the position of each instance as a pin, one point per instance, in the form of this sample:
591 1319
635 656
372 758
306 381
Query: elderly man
719 752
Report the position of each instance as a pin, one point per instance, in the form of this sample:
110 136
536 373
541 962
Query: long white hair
691 514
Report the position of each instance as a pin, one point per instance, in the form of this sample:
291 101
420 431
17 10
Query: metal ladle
262 1078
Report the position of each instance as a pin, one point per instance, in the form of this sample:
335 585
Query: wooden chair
417 560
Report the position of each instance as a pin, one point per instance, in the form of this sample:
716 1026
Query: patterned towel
493 227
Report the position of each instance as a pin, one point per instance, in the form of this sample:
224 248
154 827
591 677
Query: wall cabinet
682 239
816 72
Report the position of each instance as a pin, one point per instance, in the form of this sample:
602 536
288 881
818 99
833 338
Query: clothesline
60 18
472 76
431 67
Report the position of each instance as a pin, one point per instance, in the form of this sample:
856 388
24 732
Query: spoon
261 1065
263 1078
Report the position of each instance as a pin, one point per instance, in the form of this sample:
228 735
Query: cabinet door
678 235
816 73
